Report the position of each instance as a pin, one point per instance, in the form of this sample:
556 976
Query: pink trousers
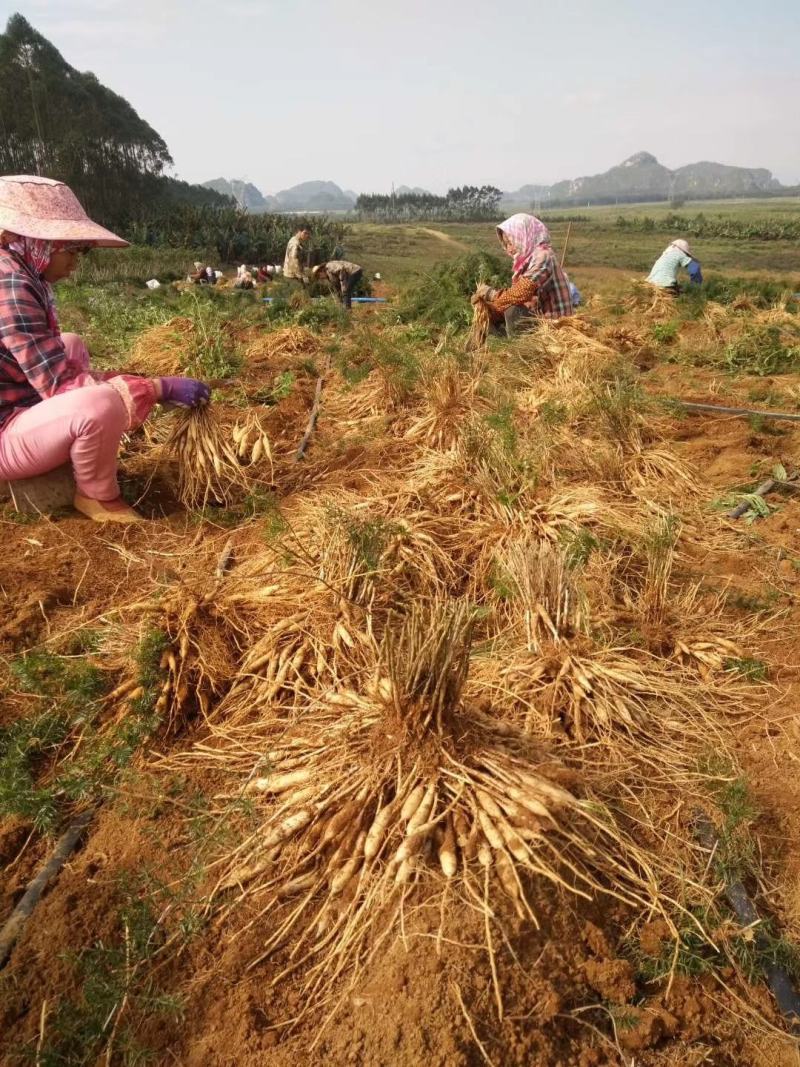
83 425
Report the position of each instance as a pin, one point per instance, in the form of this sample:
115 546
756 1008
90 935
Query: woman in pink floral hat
53 407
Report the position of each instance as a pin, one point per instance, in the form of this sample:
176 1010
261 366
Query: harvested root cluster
402 784
208 467
252 441
479 330
201 634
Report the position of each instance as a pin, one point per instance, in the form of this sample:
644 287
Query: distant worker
202 275
539 288
665 270
343 277
244 280
295 262
54 408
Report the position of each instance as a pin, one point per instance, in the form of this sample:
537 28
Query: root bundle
208 467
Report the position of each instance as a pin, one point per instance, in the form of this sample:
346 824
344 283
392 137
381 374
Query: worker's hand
483 292
187 392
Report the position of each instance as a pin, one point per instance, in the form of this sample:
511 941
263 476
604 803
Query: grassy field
395 753
780 207
399 252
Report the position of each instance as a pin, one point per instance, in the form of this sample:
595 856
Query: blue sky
442 92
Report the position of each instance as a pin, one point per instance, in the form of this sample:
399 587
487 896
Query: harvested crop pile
288 341
164 350
404 784
435 705
208 464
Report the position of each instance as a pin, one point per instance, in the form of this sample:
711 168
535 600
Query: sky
442 92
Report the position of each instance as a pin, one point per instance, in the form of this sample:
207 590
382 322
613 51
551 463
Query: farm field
441 743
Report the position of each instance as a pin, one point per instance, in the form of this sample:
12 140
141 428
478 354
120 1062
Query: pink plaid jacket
34 364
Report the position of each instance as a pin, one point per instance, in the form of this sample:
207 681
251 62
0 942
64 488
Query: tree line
235 236
465 203
64 124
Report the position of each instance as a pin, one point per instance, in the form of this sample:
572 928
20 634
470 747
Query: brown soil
562 983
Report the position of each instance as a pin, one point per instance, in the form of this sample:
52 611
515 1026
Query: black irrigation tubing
312 419
778 980
718 410
762 490
65 846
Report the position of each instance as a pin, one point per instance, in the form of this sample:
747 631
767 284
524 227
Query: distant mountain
244 193
413 190
642 178
314 196
307 196
525 196
717 178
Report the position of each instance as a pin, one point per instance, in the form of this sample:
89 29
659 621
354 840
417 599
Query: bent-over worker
665 270
343 277
294 263
539 288
53 406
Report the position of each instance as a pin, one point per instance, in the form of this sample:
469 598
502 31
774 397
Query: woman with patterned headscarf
539 287
53 407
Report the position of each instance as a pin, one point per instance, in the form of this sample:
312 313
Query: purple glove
187 392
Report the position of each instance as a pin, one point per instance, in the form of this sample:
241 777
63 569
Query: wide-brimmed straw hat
48 211
682 245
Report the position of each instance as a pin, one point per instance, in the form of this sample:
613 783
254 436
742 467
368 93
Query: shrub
762 350
441 297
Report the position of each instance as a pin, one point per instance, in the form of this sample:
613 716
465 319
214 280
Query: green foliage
762 292
502 421
762 350
754 670
752 602
441 297
324 312
705 226
117 989
213 353
136 265
109 317
232 234
257 504
552 413
147 657
763 425
71 683
468 202
24 746
395 354
578 546
617 404
35 783
282 387
665 332
369 537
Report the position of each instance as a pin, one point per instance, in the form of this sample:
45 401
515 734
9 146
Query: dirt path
446 238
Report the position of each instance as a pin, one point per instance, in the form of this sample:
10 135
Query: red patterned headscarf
528 234
37 255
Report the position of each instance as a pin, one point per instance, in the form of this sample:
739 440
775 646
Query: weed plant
441 297
37 782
